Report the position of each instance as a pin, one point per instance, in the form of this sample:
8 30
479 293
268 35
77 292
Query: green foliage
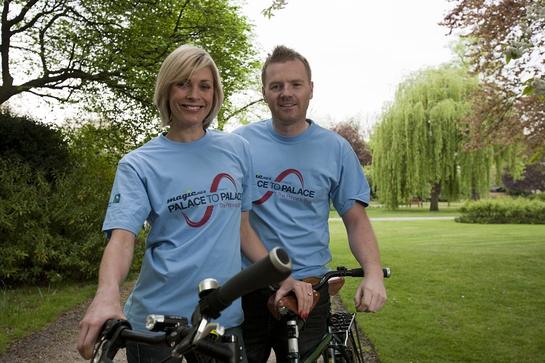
540 196
503 210
105 55
418 146
368 171
49 233
40 146
50 230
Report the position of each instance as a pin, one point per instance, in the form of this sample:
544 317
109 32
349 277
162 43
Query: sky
359 50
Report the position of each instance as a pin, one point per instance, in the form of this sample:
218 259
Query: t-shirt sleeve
352 186
129 204
250 191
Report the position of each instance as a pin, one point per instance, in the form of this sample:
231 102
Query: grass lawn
376 211
27 309
458 292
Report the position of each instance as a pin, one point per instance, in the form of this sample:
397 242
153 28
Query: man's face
287 91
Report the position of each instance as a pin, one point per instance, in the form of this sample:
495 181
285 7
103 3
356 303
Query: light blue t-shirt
192 194
296 178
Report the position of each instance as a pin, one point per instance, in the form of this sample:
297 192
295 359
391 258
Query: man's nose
286 91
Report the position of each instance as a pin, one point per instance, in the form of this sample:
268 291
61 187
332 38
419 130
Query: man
300 167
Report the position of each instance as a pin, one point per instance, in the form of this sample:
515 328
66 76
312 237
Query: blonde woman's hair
178 67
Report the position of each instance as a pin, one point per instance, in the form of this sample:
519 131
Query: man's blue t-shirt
192 195
296 178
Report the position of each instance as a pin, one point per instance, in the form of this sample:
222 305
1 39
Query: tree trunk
474 194
434 201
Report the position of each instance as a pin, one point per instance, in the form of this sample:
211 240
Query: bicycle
203 336
341 343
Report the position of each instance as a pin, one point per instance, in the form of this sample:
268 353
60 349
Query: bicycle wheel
345 328
338 353
354 343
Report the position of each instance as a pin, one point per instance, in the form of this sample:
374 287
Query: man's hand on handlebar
303 292
104 306
371 294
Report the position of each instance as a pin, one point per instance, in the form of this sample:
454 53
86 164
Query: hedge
503 211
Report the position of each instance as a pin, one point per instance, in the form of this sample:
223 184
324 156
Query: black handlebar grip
274 268
358 272
270 270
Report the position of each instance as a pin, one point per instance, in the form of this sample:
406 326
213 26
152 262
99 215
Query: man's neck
290 129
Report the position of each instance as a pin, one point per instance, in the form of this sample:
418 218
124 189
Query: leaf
539 153
528 91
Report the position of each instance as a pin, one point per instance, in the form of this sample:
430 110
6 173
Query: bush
49 234
51 230
539 196
502 211
33 143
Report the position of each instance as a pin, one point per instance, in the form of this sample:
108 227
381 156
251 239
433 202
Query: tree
104 54
506 40
533 179
275 5
349 131
417 148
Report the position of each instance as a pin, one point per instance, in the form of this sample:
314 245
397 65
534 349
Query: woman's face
191 100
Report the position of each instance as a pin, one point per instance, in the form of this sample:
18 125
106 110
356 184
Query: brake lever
110 341
208 328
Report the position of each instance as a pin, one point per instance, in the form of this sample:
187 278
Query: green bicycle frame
322 347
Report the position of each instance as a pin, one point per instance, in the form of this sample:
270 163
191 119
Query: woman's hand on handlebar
371 295
104 306
303 292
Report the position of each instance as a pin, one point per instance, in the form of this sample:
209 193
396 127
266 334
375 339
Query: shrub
539 196
51 230
503 210
48 234
33 143
51 233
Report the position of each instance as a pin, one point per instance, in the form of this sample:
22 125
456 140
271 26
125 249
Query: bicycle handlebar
272 269
343 271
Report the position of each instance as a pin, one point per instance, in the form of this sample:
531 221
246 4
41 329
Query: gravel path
57 342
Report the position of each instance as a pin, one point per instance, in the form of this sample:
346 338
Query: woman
193 186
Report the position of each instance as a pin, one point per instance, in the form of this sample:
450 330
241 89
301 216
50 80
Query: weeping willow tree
417 148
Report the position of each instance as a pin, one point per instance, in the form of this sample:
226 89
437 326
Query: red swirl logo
210 208
278 179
